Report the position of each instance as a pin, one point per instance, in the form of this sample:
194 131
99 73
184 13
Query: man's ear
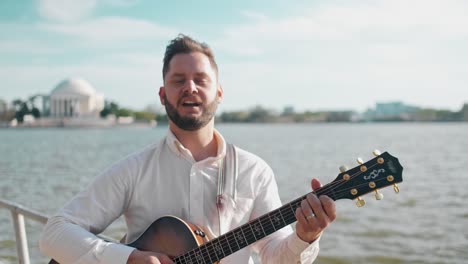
220 93
161 95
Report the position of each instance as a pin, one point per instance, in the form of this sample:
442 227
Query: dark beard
191 123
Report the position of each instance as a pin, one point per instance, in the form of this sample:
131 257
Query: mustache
190 97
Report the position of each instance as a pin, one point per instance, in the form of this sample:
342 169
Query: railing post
21 239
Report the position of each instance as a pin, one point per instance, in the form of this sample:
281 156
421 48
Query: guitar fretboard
247 234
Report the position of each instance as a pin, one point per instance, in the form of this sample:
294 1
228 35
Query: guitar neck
249 233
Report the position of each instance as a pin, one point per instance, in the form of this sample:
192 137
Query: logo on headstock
391 166
374 174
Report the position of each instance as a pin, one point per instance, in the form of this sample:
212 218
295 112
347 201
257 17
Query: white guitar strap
227 187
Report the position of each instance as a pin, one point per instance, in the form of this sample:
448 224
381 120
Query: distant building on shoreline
72 103
391 111
73 98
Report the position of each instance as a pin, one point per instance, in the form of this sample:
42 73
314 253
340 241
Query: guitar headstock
382 171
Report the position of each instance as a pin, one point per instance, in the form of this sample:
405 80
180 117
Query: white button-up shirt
164 179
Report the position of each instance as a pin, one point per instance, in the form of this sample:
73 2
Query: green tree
144 115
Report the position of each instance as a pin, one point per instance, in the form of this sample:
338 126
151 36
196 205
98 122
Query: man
179 176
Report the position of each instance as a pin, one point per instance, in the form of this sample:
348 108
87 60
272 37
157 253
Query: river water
427 222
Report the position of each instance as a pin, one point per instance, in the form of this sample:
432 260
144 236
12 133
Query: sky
311 55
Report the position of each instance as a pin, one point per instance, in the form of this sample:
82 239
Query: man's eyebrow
197 74
202 74
176 75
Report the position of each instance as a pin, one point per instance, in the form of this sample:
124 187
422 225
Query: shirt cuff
116 254
297 245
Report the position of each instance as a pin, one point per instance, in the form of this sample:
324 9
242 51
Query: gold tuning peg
376 153
343 168
360 202
378 195
360 161
395 188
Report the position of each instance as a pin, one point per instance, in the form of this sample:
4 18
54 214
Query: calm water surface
427 222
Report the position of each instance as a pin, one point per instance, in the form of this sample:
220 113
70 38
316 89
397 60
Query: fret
286 213
257 228
251 230
207 252
248 237
240 236
185 258
292 208
277 218
272 224
237 242
218 249
229 245
282 218
199 256
266 225
194 257
189 258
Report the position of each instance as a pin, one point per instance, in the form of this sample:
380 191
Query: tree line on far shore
258 114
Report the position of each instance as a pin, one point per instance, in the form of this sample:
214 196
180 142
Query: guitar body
169 235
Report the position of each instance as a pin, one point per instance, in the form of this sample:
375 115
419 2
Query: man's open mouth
191 103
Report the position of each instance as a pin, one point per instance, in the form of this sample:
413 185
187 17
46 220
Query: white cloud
112 29
351 55
120 3
133 85
26 46
65 10
373 21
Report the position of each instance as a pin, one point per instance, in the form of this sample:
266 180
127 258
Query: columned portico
75 98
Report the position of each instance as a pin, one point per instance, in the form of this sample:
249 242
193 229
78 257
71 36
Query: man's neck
201 143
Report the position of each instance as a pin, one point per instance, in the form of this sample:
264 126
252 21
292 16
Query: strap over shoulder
227 180
227 188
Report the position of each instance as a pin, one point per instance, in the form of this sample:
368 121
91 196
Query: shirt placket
196 196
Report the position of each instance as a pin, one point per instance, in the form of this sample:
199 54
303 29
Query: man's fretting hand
314 215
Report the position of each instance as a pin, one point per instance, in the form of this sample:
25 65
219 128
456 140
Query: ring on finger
312 215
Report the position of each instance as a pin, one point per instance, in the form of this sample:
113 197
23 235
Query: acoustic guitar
185 243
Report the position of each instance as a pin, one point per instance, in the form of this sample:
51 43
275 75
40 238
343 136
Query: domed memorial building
75 97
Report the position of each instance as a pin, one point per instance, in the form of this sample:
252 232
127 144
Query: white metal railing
18 213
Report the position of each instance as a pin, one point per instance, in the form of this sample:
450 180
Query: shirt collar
179 149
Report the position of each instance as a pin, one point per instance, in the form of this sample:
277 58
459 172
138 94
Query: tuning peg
360 202
343 168
378 195
360 161
395 188
376 153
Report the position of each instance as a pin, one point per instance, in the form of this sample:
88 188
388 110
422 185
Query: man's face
191 92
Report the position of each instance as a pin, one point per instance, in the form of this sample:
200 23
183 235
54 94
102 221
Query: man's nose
190 87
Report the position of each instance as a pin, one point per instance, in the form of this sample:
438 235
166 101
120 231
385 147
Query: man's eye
181 81
201 81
